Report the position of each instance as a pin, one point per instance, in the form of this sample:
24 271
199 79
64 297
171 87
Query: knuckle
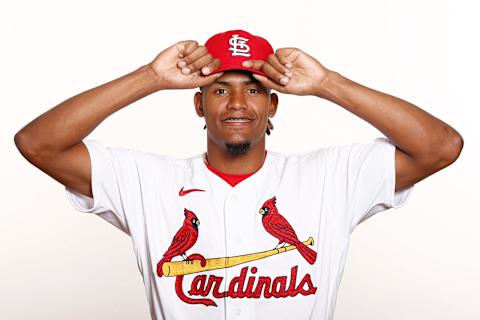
195 65
187 59
266 67
191 45
198 52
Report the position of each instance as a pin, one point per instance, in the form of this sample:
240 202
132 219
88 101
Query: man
239 231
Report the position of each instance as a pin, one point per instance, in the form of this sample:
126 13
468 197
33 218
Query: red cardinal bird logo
183 240
278 226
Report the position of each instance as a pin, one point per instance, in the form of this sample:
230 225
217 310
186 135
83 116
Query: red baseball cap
235 46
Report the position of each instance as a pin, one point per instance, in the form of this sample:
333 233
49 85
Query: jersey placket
237 232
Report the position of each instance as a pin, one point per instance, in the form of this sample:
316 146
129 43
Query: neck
219 158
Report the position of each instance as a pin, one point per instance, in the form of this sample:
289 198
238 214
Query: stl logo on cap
239 46
235 46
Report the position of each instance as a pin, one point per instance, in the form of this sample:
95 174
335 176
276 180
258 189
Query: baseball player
239 231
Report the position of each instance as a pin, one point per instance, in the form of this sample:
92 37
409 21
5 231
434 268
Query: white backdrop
418 262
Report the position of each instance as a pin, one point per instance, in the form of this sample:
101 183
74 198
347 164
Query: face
236 108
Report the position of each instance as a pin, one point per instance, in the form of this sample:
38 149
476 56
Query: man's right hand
184 65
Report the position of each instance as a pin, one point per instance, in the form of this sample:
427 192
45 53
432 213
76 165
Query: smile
237 120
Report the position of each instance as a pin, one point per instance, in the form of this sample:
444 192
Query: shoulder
332 155
137 156
314 155
336 152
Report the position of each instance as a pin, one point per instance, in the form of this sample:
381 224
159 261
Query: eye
253 90
220 91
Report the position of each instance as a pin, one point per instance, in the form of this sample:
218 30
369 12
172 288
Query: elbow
450 149
24 144
19 140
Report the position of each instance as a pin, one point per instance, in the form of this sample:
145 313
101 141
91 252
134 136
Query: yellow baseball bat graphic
176 268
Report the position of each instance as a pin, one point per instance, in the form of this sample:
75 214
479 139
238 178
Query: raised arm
424 143
53 141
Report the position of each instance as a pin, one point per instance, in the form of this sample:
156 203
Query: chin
237 139
238 149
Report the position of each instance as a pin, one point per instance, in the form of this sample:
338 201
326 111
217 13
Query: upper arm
409 170
71 167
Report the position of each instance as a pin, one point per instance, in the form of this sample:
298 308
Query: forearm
72 120
413 130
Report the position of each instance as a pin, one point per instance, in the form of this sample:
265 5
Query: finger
273 60
200 62
206 80
192 56
184 48
255 64
273 74
211 66
266 68
287 56
268 83
281 56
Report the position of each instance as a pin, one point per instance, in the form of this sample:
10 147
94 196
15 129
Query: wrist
151 79
328 85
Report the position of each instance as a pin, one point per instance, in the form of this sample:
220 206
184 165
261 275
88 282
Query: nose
237 101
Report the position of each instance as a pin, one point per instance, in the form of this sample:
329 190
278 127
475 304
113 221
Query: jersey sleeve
371 180
116 185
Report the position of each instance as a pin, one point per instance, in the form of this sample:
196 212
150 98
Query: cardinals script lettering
245 286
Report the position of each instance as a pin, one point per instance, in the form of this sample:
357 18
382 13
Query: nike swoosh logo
182 192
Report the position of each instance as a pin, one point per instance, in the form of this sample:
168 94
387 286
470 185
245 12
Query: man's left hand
292 71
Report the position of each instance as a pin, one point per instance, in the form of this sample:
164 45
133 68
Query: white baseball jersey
236 268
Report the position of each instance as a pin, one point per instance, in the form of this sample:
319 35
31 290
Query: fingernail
205 70
247 64
185 71
288 65
182 64
288 74
284 80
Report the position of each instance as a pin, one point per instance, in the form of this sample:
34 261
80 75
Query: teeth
238 120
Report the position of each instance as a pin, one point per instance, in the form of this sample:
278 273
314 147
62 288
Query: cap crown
235 46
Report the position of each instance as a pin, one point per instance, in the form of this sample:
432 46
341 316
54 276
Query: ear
197 101
272 109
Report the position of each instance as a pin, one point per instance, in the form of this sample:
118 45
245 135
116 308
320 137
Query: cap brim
227 67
